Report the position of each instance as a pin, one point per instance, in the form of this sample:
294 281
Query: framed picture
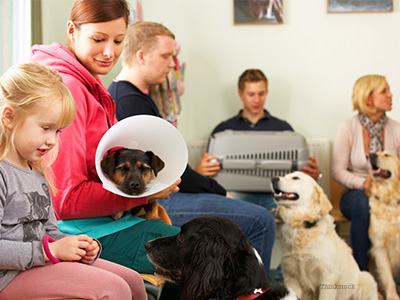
343 6
257 12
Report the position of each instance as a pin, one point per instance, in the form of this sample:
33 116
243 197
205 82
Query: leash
256 293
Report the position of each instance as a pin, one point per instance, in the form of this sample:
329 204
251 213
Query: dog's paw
117 215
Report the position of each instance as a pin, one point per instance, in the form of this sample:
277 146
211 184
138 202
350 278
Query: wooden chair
153 285
335 199
154 280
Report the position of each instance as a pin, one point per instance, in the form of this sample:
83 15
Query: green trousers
126 247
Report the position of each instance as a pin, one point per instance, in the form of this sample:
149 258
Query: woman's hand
164 194
207 168
71 248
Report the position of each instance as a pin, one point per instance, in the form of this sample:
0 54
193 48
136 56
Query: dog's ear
108 163
155 162
368 186
202 275
323 201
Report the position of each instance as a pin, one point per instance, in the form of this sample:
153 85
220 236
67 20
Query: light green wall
311 61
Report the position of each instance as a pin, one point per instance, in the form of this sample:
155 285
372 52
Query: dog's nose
134 185
275 179
373 158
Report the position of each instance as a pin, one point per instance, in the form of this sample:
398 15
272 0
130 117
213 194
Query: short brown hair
251 75
142 35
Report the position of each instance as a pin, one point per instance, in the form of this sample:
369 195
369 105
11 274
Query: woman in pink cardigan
367 132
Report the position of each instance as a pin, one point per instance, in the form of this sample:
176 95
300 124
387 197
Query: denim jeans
265 200
257 223
355 207
262 199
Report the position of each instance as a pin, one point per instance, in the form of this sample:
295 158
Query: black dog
131 170
211 258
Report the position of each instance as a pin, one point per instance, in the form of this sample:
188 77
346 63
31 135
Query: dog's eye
296 178
123 168
144 168
387 155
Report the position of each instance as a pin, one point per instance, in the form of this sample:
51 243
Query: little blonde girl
37 261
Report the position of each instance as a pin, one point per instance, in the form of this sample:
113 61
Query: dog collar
256 293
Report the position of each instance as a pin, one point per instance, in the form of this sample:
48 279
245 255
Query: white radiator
318 147
196 149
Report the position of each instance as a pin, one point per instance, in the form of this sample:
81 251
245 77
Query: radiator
318 147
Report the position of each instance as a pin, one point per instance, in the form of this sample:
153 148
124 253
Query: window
15 33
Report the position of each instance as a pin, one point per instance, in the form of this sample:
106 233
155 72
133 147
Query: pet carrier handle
249 164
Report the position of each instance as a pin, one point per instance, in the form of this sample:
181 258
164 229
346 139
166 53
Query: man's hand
312 169
207 168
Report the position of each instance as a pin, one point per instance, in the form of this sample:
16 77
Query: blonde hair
363 89
29 88
142 35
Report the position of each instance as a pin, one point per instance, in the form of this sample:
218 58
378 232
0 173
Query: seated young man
146 61
253 91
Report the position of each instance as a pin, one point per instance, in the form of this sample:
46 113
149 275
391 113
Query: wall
311 61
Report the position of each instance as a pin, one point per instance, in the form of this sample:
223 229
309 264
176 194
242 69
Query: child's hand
70 248
91 253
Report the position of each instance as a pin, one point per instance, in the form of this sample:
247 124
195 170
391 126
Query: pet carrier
249 159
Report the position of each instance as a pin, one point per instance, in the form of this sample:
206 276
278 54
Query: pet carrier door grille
249 159
261 164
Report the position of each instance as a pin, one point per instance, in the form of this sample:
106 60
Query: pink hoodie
79 190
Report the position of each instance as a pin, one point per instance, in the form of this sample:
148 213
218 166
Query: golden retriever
383 189
316 262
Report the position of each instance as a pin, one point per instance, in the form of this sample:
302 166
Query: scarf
374 130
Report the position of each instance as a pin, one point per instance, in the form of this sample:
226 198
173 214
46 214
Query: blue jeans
262 199
355 207
265 200
258 224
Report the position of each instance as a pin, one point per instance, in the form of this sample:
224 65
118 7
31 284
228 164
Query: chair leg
153 292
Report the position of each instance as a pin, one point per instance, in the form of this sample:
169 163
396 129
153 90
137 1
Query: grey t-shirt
26 215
